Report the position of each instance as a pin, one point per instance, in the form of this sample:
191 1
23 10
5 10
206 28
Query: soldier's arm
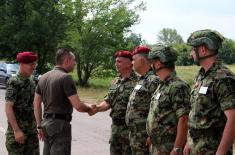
19 135
226 97
11 116
181 134
103 106
38 109
38 114
228 134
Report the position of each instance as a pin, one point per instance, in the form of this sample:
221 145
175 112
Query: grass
98 87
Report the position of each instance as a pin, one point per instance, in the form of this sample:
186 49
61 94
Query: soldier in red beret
116 100
139 101
21 135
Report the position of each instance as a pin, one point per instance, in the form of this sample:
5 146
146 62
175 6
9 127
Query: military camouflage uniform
20 91
118 97
212 93
137 112
169 102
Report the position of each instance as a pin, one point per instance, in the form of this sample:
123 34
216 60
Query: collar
20 76
170 77
212 69
131 77
60 68
147 74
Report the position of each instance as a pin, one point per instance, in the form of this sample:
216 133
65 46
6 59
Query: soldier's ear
204 50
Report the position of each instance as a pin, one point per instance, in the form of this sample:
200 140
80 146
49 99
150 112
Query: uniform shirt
139 101
169 102
55 87
213 92
118 96
20 91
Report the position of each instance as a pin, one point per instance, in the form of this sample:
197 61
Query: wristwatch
178 150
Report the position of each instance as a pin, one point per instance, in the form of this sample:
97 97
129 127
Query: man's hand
186 149
19 136
41 135
93 109
174 153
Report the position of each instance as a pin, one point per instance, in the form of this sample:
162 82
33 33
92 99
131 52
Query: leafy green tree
96 30
184 58
31 25
168 36
132 41
227 52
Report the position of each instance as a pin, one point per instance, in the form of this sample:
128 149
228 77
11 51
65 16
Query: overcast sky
186 16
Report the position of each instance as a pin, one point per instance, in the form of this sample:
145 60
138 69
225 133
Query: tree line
93 29
170 36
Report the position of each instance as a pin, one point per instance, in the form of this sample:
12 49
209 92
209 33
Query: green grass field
99 86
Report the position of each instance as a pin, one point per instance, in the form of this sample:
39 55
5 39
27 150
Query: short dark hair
61 54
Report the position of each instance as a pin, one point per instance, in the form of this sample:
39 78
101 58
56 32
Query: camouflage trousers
138 142
30 146
119 141
57 137
162 145
163 149
204 145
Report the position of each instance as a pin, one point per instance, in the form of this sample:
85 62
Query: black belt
66 117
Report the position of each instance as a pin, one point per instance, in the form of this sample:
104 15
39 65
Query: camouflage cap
166 54
212 39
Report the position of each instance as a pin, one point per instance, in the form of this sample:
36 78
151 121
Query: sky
186 16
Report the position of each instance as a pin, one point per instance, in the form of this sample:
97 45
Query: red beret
125 54
141 49
26 57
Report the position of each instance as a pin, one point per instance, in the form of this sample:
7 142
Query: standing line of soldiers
153 111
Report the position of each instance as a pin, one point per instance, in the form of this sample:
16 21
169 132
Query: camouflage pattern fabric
212 93
169 102
118 97
20 91
137 112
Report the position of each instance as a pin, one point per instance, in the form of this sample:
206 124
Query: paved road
89 137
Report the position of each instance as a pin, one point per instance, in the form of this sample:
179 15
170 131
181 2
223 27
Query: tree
168 36
227 52
184 58
96 30
132 41
31 25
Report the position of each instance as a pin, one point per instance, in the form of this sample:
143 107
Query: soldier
57 91
168 114
212 115
21 135
117 99
139 102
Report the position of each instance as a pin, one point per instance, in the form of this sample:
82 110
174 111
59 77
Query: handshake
93 109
